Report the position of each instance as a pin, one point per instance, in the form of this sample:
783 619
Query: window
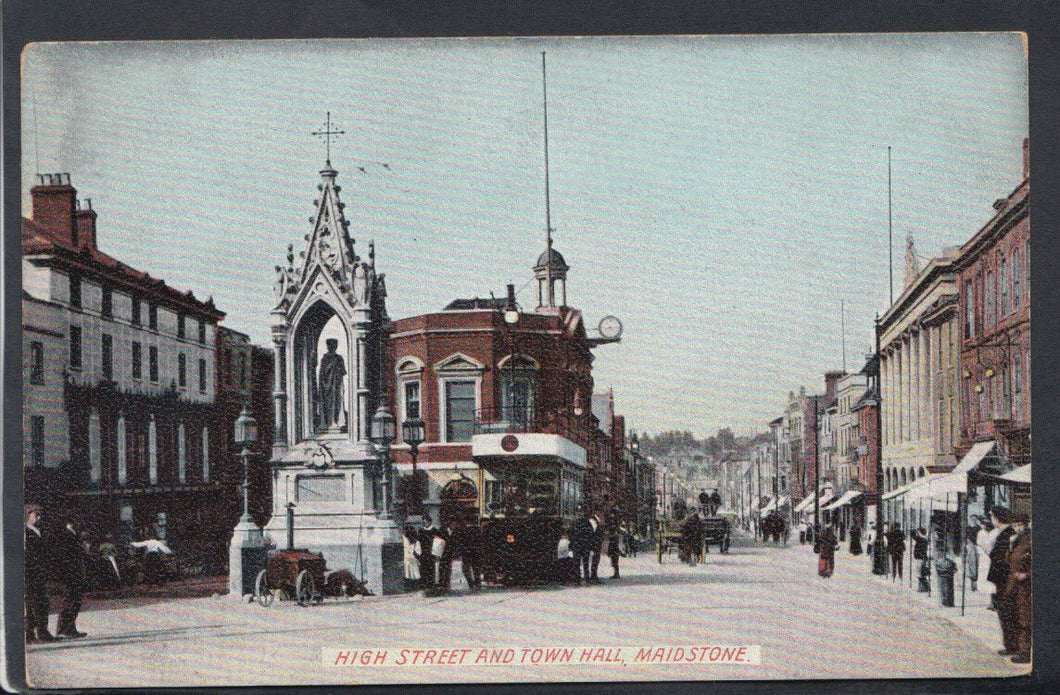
202 332
123 463
152 451
991 300
459 410
137 361
136 311
107 305
37 440
108 357
1017 387
182 455
1002 281
152 363
202 376
152 317
75 347
517 397
1016 279
36 357
412 399
95 462
75 290
205 455
182 370
180 325
242 370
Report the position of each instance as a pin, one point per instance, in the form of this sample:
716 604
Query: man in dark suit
467 540
36 574
598 545
1016 598
71 571
581 545
1001 517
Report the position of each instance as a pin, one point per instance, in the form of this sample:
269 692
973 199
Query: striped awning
847 497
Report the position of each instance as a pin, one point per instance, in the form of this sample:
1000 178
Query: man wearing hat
1016 598
36 573
71 570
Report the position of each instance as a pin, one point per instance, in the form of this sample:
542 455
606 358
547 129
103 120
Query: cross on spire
327 133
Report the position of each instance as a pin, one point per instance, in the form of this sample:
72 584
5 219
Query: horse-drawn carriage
717 530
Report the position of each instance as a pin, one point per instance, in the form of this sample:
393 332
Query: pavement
853 625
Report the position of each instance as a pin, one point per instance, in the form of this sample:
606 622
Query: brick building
131 441
473 378
993 283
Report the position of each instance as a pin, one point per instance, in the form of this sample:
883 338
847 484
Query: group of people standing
1006 540
588 537
59 557
430 551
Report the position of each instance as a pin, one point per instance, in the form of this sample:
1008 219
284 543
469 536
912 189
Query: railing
527 420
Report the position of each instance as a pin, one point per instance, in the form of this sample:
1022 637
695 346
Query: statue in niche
332 372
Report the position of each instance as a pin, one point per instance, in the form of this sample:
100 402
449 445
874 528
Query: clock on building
610 327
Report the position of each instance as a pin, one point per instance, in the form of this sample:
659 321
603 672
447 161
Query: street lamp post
383 426
246 435
414 432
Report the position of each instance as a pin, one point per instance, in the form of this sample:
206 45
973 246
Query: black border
27 21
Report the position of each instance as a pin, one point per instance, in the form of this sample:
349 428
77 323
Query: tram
527 504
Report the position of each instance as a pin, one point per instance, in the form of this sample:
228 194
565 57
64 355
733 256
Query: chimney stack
54 206
1026 158
86 224
831 381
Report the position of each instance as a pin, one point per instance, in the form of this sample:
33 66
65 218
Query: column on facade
907 380
361 403
279 390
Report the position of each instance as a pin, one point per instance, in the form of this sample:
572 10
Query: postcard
528 359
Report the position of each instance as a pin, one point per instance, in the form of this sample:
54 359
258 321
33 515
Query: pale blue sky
720 195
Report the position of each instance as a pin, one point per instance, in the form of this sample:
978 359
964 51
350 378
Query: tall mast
548 211
843 331
890 235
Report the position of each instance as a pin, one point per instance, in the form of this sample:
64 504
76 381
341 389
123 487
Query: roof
37 240
557 260
476 303
872 365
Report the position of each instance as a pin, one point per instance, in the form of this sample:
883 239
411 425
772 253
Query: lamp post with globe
383 430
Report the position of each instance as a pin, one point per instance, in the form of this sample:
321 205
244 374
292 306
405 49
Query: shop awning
1021 475
808 502
847 497
755 507
956 481
778 504
924 488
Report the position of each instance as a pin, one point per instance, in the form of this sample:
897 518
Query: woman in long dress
855 539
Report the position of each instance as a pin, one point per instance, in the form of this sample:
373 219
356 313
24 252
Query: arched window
921 472
122 443
903 480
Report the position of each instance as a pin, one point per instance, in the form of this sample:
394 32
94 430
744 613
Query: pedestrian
802 532
442 553
71 571
1000 518
971 553
581 542
425 536
1016 598
469 546
855 539
827 545
37 571
597 545
631 543
566 571
896 550
920 554
614 551
412 551
109 553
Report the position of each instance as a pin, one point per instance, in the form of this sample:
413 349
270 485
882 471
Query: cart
717 531
292 575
